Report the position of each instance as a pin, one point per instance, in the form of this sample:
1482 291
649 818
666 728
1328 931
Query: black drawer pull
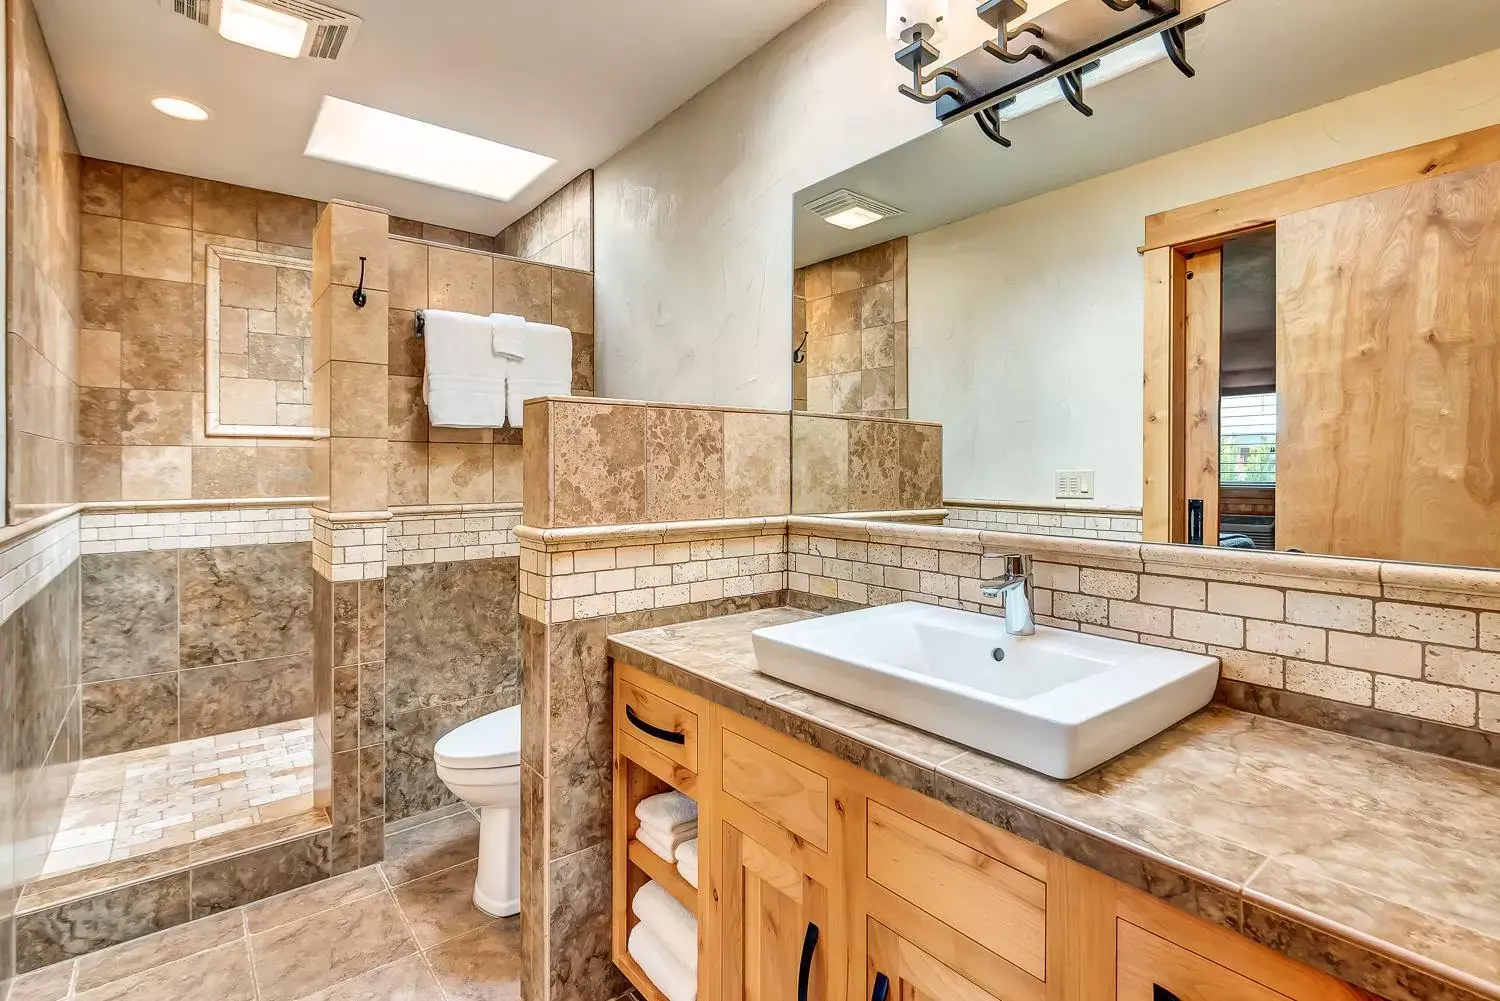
1160 993
804 972
670 736
882 989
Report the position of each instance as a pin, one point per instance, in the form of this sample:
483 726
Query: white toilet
480 762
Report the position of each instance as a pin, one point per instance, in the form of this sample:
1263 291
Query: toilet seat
491 741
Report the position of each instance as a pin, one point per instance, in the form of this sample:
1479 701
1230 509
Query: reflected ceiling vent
850 209
289 28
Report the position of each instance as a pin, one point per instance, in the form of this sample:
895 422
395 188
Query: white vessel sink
1058 702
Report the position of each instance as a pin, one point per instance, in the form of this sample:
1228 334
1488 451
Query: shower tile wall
558 231
854 310
180 644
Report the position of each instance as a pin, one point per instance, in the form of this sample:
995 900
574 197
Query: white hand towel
509 335
669 921
659 844
677 982
667 811
546 368
687 861
464 381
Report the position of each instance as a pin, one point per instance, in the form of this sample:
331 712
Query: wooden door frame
1172 237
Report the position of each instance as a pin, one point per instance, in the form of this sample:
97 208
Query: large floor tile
49 984
309 900
121 961
441 906
408 980
484 965
302 957
414 852
222 974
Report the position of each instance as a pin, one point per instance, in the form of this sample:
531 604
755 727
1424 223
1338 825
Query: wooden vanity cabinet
819 881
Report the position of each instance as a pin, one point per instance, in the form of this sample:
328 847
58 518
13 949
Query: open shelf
665 873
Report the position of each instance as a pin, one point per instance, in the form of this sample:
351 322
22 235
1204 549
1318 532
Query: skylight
371 139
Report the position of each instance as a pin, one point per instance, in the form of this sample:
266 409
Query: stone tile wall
477 532
42 292
626 463
1408 640
190 642
853 313
260 344
842 464
1075 523
141 349
469 465
559 231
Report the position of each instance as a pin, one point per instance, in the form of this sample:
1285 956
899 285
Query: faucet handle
1014 564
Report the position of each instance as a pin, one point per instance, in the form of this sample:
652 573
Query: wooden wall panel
1203 336
1388 362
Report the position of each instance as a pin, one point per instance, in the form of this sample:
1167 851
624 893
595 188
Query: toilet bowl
480 762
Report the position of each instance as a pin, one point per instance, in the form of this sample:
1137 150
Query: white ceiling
572 79
1257 60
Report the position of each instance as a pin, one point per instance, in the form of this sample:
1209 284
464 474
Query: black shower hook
359 294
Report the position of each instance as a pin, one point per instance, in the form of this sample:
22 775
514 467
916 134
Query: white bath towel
677 982
669 921
661 845
464 384
667 812
687 861
541 365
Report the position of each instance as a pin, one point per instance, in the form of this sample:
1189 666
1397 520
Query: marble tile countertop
1377 864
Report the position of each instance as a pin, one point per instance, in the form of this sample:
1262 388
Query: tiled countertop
1378 864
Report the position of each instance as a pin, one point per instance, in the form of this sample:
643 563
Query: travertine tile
1302 642
508 478
100 240
359 400
156 472
223 972
407 477
573 300
1426 701
460 281
408 263
757 464
295 905
874 466
358 474
431 847
284 219
441 906
352 939
820 464
1330 611
225 208
1240 599
99 358
523 290
684 464
157 197
921 466
148 251
1426 623
101 185
599 457
460 474
483 965
1466 668
1328 682
354 233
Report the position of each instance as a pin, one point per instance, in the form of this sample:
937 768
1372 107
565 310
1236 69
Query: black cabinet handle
882 989
804 972
1160 993
670 736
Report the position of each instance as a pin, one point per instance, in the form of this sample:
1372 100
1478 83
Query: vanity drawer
997 906
644 712
1149 964
788 794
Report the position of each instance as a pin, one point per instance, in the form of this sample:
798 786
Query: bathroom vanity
843 856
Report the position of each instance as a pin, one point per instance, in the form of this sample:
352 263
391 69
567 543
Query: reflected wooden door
1388 372
1202 333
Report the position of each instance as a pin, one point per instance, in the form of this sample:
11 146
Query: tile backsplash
1075 523
852 310
856 464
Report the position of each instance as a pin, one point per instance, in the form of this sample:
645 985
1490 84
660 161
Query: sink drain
997 653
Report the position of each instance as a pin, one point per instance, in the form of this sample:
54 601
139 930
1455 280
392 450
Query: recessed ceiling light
249 23
369 138
178 107
850 210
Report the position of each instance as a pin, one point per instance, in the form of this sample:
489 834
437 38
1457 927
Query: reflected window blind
1247 439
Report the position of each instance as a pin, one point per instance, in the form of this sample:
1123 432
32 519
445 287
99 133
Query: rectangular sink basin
1059 702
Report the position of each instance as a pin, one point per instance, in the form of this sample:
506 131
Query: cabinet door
896 970
773 936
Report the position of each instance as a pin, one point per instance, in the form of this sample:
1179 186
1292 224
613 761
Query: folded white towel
464 383
509 335
687 861
677 982
661 844
672 923
667 811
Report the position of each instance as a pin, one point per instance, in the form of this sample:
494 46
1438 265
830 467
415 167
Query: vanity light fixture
356 136
179 107
850 210
1063 43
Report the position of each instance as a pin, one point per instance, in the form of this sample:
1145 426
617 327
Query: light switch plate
1075 484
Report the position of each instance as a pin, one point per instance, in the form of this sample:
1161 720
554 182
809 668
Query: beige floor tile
121 961
303 957
440 907
420 851
484 965
306 901
222 974
408 980
49 984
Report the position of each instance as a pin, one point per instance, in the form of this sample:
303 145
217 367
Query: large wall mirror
1256 309
259 350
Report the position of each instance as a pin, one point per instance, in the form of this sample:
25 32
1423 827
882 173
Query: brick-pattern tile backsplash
203 528
33 559
605 579
1082 524
450 538
1344 635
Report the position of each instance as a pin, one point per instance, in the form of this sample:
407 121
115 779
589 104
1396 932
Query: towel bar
421 323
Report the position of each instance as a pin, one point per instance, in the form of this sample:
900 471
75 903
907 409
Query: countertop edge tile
1224 899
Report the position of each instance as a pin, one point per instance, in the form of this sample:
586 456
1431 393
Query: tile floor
403 930
126 805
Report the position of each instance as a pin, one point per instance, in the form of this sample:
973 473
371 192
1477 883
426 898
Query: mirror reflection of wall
1327 379
850 320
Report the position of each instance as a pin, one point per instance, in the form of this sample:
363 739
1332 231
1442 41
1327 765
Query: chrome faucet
1014 587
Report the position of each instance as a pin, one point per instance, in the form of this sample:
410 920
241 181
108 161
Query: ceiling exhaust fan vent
193 10
331 31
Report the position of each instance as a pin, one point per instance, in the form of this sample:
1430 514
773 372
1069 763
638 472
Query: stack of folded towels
668 821
664 942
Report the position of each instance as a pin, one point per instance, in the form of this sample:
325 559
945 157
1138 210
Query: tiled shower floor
123 806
